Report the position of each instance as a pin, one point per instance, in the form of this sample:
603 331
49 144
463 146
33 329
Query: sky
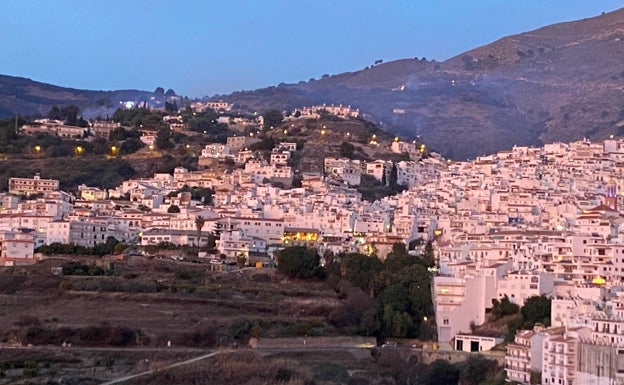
207 47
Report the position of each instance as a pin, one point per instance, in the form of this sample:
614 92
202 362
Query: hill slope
23 96
558 83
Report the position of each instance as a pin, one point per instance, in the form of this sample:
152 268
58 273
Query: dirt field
163 301
150 313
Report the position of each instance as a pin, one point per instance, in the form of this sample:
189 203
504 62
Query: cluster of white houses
59 128
519 223
315 111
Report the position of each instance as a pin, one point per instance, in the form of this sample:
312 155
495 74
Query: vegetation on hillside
100 249
389 298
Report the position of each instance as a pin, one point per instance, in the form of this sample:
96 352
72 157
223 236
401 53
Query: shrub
329 371
27 320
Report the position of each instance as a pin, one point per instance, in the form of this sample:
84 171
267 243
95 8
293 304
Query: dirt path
181 363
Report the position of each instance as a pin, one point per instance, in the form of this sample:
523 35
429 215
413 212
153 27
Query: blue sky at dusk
202 48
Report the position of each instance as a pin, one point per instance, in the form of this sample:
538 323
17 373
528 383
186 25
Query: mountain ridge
561 82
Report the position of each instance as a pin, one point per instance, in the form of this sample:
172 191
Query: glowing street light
114 150
285 132
37 148
78 150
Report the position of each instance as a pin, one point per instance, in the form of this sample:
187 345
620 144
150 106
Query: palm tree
199 224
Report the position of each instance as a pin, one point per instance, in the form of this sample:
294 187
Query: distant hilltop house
339 110
103 128
54 127
214 105
413 149
175 122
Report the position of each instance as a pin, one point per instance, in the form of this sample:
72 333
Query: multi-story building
347 170
103 128
25 186
240 142
16 248
560 358
340 110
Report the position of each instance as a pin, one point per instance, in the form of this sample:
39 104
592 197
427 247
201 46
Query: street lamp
37 148
78 150
113 150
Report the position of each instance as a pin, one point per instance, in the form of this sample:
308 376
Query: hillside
23 96
558 83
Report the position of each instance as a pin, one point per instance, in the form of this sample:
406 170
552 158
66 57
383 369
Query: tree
536 309
163 138
173 209
272 118
347 149
71 115
503 307
441 372
159 91
393 177
199 224
298 261
171 107
476 369
241 261
360 269
54 113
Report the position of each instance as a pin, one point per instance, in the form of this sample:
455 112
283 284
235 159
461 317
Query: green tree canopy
360 269
347 149
272 118
441 372
536 309
298 261
163 138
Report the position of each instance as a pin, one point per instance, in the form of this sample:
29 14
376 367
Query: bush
503 308
78 268
328 371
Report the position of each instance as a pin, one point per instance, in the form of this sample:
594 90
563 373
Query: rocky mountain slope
558 83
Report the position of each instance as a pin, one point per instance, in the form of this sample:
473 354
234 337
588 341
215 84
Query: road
181 363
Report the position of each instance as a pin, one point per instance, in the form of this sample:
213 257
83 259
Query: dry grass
204 309
245 368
